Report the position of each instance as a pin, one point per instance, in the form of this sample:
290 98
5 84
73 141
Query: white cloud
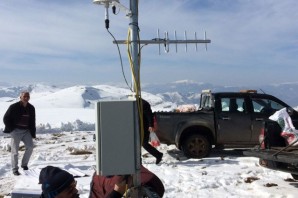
247 35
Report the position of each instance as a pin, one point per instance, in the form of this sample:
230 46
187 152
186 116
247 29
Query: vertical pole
134 26
136 84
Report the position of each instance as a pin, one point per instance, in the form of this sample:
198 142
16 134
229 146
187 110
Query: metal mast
134 44
134 26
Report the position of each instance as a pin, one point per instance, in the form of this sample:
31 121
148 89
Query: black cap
54 180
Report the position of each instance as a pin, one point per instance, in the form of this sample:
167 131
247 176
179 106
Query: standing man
148 128
19 121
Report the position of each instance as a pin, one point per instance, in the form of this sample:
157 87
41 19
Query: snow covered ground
225 173
65 139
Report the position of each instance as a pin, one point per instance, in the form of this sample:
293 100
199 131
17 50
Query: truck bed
288 155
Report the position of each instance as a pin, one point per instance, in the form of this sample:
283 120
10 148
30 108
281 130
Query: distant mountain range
180 92
189 91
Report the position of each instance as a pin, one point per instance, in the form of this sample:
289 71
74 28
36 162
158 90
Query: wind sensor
113 4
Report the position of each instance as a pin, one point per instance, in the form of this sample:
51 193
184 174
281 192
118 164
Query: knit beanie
54 180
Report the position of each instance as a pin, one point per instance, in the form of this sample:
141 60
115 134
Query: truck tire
196 146
295 176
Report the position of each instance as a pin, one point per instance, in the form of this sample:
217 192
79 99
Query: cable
126 188
107 26
119 52
136 83
135 74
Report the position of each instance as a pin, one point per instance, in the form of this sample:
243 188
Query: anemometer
113 4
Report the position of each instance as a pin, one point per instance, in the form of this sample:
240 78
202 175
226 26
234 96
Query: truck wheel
196 146
295 176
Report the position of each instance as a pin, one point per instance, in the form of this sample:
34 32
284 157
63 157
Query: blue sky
253 42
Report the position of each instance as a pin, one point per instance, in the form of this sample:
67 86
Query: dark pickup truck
273 151
225 118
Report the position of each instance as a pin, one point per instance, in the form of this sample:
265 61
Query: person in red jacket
115 186
19 121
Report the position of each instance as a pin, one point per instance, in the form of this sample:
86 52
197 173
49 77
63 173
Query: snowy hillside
51 100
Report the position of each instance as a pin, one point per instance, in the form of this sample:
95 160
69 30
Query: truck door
263 108
233 120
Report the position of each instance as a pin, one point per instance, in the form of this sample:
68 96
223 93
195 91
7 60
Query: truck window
232 105
265 106
206 101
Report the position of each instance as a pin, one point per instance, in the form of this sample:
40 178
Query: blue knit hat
54 180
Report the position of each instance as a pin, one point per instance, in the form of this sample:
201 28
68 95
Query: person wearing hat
57 183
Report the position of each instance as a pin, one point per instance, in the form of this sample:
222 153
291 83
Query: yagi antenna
166 41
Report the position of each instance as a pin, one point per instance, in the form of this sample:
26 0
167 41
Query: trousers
18 135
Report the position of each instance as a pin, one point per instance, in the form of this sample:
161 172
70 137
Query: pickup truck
223 118
273 150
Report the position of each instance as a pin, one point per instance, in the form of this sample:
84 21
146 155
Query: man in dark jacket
148 128
19 121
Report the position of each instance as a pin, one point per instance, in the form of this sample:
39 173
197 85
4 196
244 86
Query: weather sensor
104 2
116 3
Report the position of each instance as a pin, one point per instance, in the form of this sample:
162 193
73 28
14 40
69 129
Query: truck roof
239 93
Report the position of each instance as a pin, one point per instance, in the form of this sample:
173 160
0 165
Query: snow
65 122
